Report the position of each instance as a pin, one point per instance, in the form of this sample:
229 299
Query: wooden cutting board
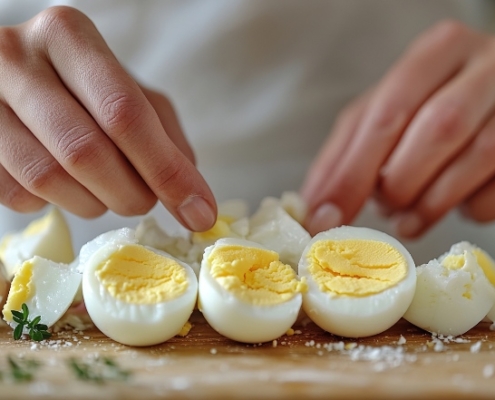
305 365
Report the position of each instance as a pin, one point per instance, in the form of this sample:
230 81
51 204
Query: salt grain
488 371
213 351
475 348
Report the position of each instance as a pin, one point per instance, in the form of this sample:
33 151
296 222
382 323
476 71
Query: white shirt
257 84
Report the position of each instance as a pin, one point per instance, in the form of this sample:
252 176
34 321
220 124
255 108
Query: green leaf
18 331
41 327
25 310
35 321
37 336
18 320
46 334
17 314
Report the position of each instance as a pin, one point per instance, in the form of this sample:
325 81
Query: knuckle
38 175
121 114
387 120
18 199
449 31
485 149
446 122
58 21
170 177
79 148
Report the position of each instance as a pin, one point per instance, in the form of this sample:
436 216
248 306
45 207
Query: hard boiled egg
246 293
360 281
135 294
48 237
452 293
48 289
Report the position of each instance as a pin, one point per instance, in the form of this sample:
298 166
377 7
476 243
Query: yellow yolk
21 290
457 261
134 274
254 275
454 261
486 265
38 225
4 244
355 267
221 229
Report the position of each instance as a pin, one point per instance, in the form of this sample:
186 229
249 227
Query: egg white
351 316
52 241
128 323
239 320
55 286
439 305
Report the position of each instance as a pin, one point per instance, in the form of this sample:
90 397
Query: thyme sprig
37 331
99 370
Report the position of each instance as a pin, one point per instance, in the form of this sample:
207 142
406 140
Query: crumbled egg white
48 237
135 294
273 227
246 293
361 281
453 293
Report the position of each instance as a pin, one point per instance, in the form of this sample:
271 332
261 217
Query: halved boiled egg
135 294
48 237
453 293
246 293
360 281
48 289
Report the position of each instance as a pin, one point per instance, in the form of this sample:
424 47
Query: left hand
422 141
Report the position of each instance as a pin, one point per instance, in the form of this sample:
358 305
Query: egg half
453 293
48 237
135 294
246 293
48 289
360 281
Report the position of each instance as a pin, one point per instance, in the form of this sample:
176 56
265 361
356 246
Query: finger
327 215
480 207
114 100
77 142
15 197
334 146
30 164
428 64
471 170
168 118
439 131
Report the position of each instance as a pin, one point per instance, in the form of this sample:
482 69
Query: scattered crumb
213 351
401 341
274 343
475 348
297 332
290 332
488 370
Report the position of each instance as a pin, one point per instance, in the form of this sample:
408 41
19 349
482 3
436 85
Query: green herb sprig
98 371
37 331
22 370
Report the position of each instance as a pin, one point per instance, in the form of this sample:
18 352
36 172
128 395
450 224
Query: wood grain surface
306 365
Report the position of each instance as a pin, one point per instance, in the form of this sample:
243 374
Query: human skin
77 131
420 142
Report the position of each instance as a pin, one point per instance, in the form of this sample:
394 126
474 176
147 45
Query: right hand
77 131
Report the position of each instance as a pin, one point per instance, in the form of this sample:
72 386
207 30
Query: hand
422 141
77 131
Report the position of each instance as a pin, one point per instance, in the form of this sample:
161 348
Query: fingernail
408 224
327 216
197 214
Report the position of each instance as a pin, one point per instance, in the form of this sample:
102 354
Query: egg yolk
221 229
457 261
21 290
134 274
355 267
256 276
